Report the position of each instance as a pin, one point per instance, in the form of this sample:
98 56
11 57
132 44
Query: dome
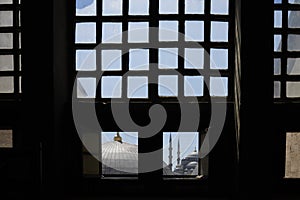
191 165
119 158
194 154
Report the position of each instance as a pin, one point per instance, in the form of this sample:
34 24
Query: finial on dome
118 138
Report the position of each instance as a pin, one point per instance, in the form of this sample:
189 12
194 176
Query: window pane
294 2
294 17
168 58
6 63
112 32
277 42
111 87
293 66
86 88
119 153
194 30
219 58
6 40
112 7
111 60
86 60
292 163
168 6
137 87
5 1
293 89
138 7
194 58
219 31
168 86
277 66
277 19
168 30
6 139
138 59
6 84
85 33
193 86
6 18
194 6
220 7
293 42
86 7
218 86
138 32
277 89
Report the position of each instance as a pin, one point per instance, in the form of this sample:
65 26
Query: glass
168 58
193 86
137 87
194 58
111 87
168 85
218 86
86 88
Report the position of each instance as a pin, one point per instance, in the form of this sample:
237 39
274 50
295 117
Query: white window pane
111 87
6 84
293 42
293 67
112 7
85 33
293 89
294 18
219 59
6 62
220 7
112 33
168 86
278 19
277 66
6 18
193 86
218 86
168 30
86 60
294 1
138 32
111 60
277 42
86 7
168 58
138 59
6 40
278 1
277 89
86 88
138 7
194 6
168 6
194 58
137 87
5 1
219 31
194 30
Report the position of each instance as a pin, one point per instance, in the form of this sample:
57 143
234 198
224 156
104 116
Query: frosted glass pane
193 85
277 42
277 89
168 30
111 87
277 1
194 30
219 59
194 6
293 66
112 7
278 19
277 66
138 32
85 33
137 87
293 42
5 1
6 139
194 58
6 63
86 7
218 86
6 84
111 60
168 6
168 86
219 31
138 7
294 1
86 60
220 7
6 18
86 88
6 40
293 89
168 58
138 59
294 19
112 33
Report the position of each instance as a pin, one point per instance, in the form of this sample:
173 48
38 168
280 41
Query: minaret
178 153
170 152
118 138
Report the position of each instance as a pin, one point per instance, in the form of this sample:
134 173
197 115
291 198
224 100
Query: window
292 159
145 51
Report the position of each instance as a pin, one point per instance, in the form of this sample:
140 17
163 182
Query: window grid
282 75
14 50
153 21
